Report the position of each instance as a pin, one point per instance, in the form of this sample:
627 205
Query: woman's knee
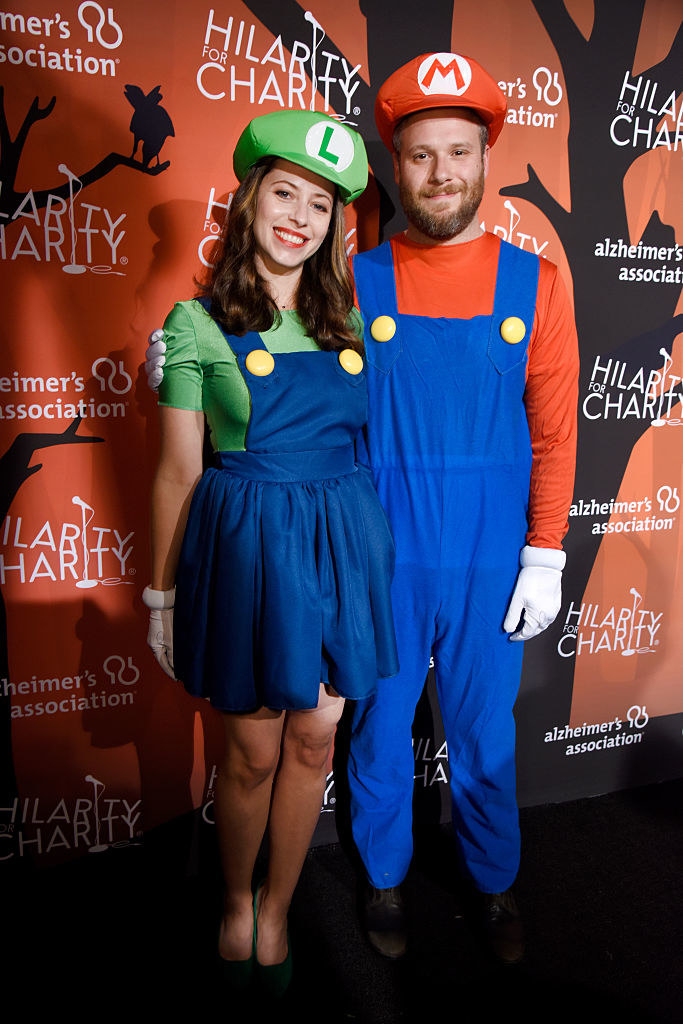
248 768
309 734
311 750
252 747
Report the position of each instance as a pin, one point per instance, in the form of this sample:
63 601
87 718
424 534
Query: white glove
160 632
537 594
160 638
155 357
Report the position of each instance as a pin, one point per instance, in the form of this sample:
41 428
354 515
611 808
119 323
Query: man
472 375
472 369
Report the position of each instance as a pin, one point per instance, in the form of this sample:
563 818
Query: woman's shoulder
189 323
188 314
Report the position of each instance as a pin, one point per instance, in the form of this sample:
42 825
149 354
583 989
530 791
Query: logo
50 55
549 93
627 630
61 398
664 255
294 74
331 144
601 735
214 218
630 515
617 391
83 691
31 825
645 118
112 37
81 553
447 73
511 233
111 376
65 231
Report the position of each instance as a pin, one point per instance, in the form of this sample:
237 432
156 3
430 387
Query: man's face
440 172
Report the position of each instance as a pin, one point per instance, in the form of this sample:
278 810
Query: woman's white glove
155 357
538 592
160 632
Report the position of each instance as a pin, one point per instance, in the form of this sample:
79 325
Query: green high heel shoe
273 980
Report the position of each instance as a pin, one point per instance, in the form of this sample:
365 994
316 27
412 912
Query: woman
282 604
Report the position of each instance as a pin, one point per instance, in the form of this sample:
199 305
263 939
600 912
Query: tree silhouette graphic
12 148
615 319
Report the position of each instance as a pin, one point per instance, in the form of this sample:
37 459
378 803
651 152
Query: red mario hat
439 80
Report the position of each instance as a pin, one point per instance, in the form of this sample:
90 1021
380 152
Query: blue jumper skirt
285 571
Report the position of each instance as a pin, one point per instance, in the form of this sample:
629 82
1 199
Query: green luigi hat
314 141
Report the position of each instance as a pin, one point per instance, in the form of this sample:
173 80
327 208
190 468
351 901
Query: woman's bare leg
242 801
295 808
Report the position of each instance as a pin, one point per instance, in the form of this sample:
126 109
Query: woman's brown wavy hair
240 301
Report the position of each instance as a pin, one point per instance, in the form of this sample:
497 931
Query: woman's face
293 212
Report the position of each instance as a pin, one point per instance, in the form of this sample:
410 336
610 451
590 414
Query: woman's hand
160 638
160 632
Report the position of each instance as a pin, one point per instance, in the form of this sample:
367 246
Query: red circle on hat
439 80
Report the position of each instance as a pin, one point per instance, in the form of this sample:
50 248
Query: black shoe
385 922
502 924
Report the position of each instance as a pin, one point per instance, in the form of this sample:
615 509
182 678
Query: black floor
129 932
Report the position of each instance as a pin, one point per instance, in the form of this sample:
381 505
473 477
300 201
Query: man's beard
446 224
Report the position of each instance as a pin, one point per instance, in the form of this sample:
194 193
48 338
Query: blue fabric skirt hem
285 707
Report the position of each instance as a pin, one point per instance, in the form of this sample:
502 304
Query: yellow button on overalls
512 330
259 362
350 361
383 328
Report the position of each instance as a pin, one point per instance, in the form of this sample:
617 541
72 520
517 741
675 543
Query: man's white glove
160 632
537 594
155 357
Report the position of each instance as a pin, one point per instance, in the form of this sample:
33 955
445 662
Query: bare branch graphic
10 156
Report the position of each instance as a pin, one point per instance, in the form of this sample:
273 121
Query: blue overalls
448 444
285 571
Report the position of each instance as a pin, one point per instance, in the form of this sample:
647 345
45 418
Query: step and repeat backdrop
117 125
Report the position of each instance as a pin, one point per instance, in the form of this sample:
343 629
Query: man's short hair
483 129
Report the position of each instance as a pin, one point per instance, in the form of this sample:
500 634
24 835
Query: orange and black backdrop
117 126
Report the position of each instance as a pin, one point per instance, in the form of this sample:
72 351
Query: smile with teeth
290 237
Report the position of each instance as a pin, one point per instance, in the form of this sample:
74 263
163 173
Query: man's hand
538 593
155 357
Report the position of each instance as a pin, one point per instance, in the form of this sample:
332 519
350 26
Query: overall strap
240 346
375 282
514 302
516 288
376 290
